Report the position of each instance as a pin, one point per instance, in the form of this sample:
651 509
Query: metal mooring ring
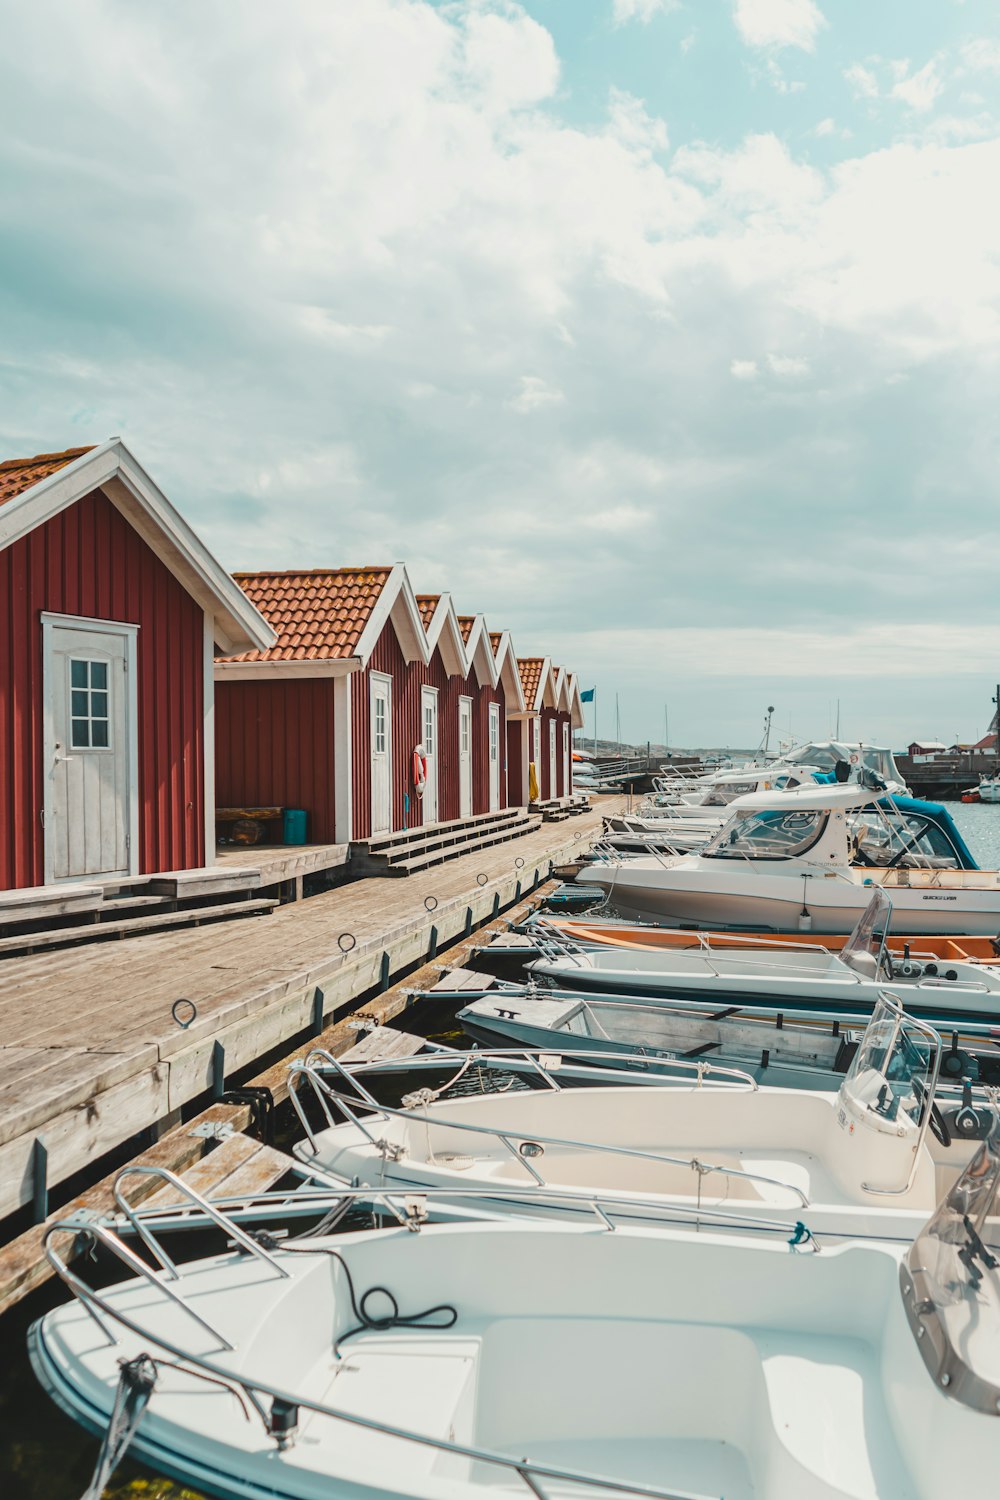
482 880
519 862
346 942
430 902
191 1018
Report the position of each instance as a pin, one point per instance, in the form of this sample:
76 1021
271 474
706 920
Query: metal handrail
187 1191
539 1059
506 1137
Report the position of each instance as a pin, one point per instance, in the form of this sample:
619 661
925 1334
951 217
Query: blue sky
664 333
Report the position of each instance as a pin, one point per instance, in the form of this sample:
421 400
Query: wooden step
470 839
439 856
132 926
459 835
378 843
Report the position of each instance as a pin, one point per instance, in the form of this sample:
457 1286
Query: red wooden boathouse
363 675
110 613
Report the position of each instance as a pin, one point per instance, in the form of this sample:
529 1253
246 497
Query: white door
429 736
552 757
567 783
91 749
380 691
465 757
494 757
536 750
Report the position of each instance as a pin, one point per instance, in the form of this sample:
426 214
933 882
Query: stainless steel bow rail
280 1419
515 1143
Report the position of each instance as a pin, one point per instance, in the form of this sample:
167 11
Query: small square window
99 733
80 734
78 674
99 675
80 703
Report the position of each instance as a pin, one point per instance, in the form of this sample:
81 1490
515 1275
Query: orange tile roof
319 614
495 638
427 604
465 624
530 668
19 474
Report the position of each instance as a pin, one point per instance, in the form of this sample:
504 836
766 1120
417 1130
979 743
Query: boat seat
819 1406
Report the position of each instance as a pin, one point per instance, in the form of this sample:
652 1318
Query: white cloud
779 23
633 125
790 365
640 10
919 90
983 54
535 394
744 369
863 82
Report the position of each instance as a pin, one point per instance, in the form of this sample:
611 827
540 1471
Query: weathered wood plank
22 1262
382 1043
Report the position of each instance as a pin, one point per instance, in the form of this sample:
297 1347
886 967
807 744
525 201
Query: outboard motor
842 771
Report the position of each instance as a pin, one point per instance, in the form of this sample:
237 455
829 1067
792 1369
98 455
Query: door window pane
90 704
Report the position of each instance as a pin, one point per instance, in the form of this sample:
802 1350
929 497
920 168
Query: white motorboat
852 1163
527 1357
989 789
778 973
786 860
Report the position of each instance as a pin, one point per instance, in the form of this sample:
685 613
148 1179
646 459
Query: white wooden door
429 736
380 697
567 783
465 757
91 750
552 758
494 757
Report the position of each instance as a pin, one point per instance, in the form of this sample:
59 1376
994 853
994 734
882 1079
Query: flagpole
595 723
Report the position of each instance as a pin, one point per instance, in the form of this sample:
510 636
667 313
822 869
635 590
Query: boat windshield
950 1283
888 837
893 1074
770 834
864 950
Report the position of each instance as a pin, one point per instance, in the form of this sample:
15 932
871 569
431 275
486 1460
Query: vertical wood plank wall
274 745
88 561
407 680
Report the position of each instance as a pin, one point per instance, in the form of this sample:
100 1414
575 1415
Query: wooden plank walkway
91 1053
23 1265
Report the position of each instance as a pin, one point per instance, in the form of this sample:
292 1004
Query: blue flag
588 696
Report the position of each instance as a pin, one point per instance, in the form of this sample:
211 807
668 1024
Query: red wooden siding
274 745
407 732
88 561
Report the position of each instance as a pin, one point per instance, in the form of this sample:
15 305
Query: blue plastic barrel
294 826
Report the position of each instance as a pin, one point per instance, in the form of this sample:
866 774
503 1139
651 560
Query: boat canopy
805 798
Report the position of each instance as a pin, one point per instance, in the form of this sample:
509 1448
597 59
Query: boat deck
94 1043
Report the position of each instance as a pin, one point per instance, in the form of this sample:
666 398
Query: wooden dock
99 1044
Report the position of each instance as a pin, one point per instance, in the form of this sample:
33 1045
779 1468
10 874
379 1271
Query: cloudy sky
665 332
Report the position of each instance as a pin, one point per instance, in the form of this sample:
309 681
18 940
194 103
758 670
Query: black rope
394 1319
